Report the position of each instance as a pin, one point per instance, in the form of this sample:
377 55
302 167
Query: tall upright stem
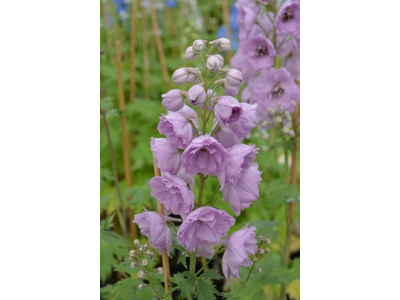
132 82
115 171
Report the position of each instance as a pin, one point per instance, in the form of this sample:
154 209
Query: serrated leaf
182 260
186 283
126 288
211 273
205 290
111 237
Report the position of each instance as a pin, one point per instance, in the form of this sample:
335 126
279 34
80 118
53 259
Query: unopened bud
230 90
234 77
254 258
160 270
264 123
223 44
141 286
141 273
136 243
267 251
221 59
145 247
278 119
133 254
150 254
190 54
285 130
134 265
259 270
198 46
213 63
261 251
145 262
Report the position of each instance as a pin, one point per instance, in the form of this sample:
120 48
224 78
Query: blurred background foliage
180 23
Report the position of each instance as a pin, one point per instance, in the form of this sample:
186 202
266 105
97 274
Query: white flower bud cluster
279 118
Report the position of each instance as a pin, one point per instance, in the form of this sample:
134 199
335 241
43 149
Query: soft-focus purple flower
176 127
242 194
246 22
190 54
223 44
247 93
204 154
238 246
213 63
174 100
234 77
249 4
288 18
173 193
204 226
247 120
259 52
227 110
273 87
168 158
241 159
154 227
197 95
239 62
292 64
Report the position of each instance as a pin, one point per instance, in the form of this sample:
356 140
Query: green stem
194 128
210 199
248 277
215 254
215 129
192 267
206 103
286 249
201 188
151 284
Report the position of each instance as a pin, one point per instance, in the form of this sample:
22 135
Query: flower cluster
191 148
269 36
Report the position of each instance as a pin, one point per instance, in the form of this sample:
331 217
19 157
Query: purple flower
247 120
247 18
288 18
259 52
154 227
227 110
241 159
228 89
238 246
176 127
223 44
197 95
203 227
183 75
273 87
239 62
174 100
242 194
213 63
226 136
204 154
168 158
173 193
292 64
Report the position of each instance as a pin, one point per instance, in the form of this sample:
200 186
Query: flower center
287 16
262 50
200 222
277 92
203 150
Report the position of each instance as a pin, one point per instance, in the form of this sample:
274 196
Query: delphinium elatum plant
203 139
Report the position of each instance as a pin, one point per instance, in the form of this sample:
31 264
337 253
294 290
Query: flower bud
174 100
160 270
221 60
141 249
190 54
141 286
150 254
136 243
180 76
278 119
198 46
234 77
213 63
259 270
133 254
254 258
197 95
285 130
145 262
267 251
145 247
228 89
134 265
141 273
223 44
261 251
